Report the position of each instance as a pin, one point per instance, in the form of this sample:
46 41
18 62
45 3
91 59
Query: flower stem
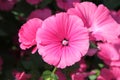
54 70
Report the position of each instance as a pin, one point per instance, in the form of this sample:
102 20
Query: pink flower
66 4
92 51
40 13
33 2
83 66
81 75
110 53
109 74
27 33
116 15
62 40
21 75
7 5
78 76
60 75
98 21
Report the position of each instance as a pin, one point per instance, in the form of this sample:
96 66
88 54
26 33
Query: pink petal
107 51
104 27
85 11
92 51
27 33
106 74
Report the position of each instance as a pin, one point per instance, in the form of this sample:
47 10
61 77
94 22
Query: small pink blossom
62 40
82 65
27 33
81 75
110 52
40 13
92 51
60 75
109 74
21 75
66 4
7 5
98 21
33 2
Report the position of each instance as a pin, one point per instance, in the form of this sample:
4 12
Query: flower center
65 42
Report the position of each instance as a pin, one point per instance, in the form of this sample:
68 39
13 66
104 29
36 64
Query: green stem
54 70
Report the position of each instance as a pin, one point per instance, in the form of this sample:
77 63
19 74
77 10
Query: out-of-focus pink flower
98 20
60 75
21 75
62 40
83 66
109 74
81 75
66 4
92 51
78 76
110 52
7 5
116 15
40 13
33 2
27 33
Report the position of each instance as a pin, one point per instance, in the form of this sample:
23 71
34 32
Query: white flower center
65 42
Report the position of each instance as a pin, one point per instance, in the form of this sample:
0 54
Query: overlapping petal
98 21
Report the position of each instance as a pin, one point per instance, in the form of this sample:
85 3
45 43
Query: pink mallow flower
66 4
40 13
116 15
7 5
98 21
109 74
62 40
110 53
27 33
33 2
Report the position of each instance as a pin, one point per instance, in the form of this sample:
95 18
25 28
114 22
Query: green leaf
101 65
92 45
92 77
48 75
